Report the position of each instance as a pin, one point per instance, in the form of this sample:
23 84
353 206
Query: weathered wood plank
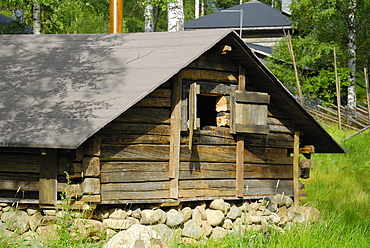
11 162
154 102
161 92
126 139
203 170
92 146
211 153
23 182
296 169
219 63
145 115
269 140
152 190
132 128
48 177
214 76
258 187
91 166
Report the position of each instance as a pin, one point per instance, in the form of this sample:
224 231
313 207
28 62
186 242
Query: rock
218 204
218 233
273 207
117 224
274 218
163 231
255 205
50 212
47 220
189 241
133 220
278 199
135 237
288 201
31 239
245 207
228 224
9 208
192 230
253 228
136 213
98 215
197 216
9 234
22 207
129 212
48 232
313 215
32 210
206 229
162 216
265 225
300 218
34 220
202 211
85 228
118 214
214 217
248 219
238 226
3 204
187 213
282 211
234 213
109 232
174 218
149 217
16 221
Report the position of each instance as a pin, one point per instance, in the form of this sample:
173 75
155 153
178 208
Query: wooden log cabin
147 118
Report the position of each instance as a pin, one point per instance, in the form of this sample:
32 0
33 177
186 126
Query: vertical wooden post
337 84
174 160
116 16
240 144
296 169
48 183
367 91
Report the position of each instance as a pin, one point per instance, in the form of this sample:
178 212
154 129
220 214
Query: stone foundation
188 222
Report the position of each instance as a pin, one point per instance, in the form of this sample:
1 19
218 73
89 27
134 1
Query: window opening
206 110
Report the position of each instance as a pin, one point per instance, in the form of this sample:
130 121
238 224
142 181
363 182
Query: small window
206 110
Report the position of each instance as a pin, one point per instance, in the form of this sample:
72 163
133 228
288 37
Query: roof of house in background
56 91
13 27
256 15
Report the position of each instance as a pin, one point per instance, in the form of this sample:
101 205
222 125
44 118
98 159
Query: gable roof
256 15
58 90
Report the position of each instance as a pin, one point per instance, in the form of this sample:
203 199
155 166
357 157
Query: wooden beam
240 144
48 177
175 136
296 169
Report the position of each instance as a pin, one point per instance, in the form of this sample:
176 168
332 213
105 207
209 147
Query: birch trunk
149 18
351 99
36 17
196 9
175 15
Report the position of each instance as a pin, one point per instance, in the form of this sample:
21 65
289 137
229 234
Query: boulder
192 230
214 217
86 228
174 218
117 224
206 229
218 204
136 236
218 233
118 214
234 213
162 216
149 217
202 211
187 212
16 221
34 220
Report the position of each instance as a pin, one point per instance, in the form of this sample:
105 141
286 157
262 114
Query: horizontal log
226 188
212 88
206 75
219 63
132 128
269 140
154 102
145 115
211 153
161 92
125 191
21 162
202 170
126 139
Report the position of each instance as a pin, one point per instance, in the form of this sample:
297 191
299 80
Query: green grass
340 188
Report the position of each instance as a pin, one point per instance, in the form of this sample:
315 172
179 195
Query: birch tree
175 15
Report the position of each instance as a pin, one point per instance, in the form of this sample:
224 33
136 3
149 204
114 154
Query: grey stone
110 232
118 214
50 212
162 216
133 220
206 229
214 217
255 205
149 217
31 239
135 237
9 208
202 211
273 207
234 213
313 215
288 201
163 231
218 204
174 218
197 216
48 232
238 226
274 218
86 228
245 207
136 213
192 230
16 221
117 224
218 233
253 228
187 212
32 210
34 220
228 224
251 219
278 199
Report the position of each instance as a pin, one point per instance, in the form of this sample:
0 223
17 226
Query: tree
175 15
338 23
